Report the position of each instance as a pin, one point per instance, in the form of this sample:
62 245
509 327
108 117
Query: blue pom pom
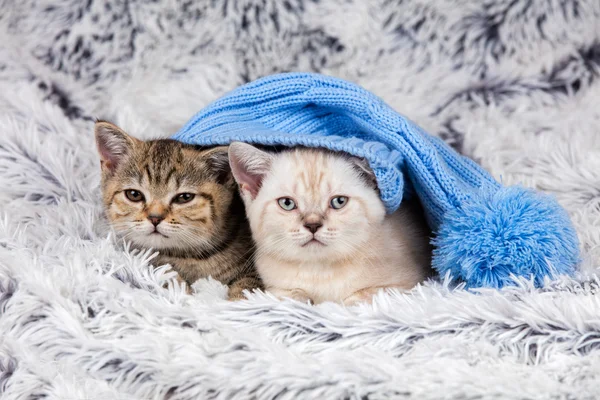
513 231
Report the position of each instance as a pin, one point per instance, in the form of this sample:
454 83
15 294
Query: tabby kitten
181 201
321 230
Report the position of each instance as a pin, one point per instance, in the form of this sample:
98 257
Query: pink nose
155 219
313 227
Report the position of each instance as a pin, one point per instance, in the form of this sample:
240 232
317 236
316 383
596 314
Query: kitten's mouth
313 242
156 232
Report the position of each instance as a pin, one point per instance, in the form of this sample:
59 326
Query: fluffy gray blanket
512 83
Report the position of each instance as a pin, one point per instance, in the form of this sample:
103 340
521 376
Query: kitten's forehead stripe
170 175
166 164
148 173
313 180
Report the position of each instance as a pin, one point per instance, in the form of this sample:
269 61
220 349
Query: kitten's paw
294 294
357 299
361 296
237 289
182 282
185 284
236 295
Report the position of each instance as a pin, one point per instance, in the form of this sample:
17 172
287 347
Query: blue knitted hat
484 232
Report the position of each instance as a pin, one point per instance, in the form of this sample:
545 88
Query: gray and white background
513 84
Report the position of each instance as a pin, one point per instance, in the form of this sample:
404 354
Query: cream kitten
321 230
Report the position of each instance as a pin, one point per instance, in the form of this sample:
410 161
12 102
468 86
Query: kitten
181 201
321 230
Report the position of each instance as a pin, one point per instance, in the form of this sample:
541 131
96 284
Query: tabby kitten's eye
338 202
286 203
182 198
134 195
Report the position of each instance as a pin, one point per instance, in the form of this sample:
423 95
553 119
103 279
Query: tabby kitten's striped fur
180 200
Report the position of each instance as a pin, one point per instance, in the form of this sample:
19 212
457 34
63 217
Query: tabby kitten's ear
113 144
218 163
249 166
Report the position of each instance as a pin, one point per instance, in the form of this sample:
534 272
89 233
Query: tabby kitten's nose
155 219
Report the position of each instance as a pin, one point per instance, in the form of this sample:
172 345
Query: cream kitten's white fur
321 230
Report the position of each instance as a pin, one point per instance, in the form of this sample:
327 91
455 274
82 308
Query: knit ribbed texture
319 111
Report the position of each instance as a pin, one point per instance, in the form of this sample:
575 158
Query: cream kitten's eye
134 195
182 198
286 203
338 202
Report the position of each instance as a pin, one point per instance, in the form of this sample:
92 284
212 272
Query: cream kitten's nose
313 223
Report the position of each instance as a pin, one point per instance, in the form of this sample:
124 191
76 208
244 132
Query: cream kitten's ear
249 166
361 166
113 144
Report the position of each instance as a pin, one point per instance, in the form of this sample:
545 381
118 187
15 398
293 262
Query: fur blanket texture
513 84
